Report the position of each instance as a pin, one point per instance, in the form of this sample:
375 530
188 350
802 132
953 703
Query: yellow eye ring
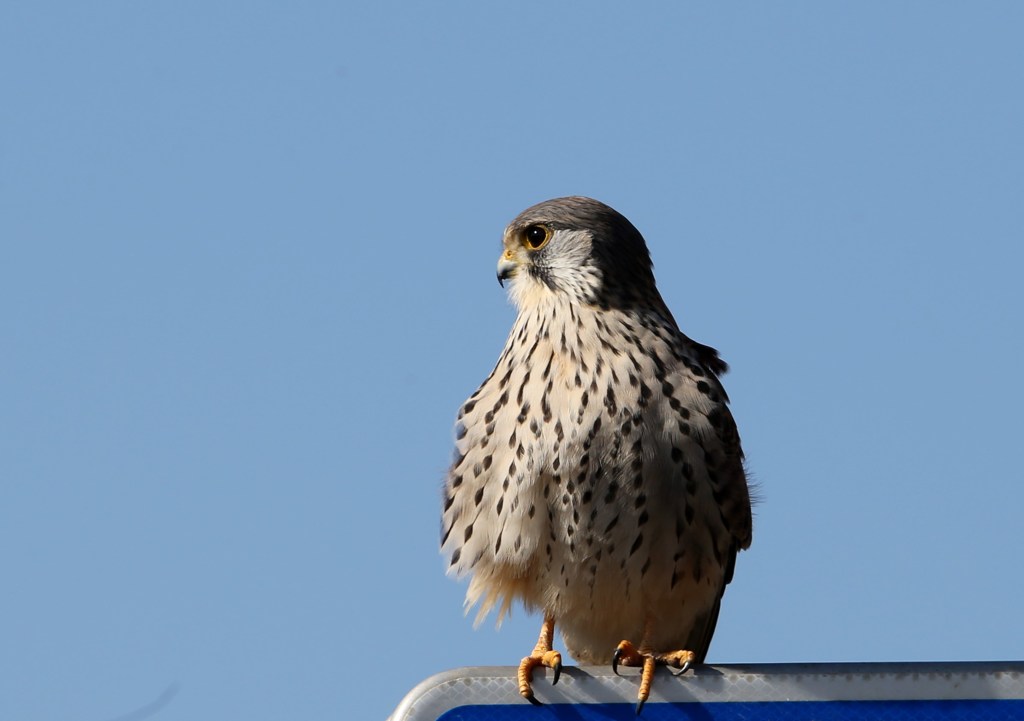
536 237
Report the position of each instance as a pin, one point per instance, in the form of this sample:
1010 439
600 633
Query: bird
598 476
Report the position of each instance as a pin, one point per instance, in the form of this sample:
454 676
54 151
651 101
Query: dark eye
535 236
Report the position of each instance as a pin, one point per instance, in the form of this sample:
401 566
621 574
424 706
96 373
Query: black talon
558 672
639 706
683 669
615 661
533 700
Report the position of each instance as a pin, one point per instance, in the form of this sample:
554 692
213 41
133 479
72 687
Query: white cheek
567 267
568 253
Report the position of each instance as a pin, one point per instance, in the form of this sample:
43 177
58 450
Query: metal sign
987 691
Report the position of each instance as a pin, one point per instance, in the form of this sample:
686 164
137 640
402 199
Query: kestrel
598 475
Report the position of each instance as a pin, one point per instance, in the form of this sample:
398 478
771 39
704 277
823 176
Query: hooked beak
507 267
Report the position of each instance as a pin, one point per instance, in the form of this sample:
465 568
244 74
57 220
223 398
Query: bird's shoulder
699 367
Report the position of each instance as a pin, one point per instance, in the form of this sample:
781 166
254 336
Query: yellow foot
542 656
626 654
551 659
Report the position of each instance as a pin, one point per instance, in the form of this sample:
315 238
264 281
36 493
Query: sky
247 279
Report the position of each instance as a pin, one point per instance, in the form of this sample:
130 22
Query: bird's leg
542 656
626 654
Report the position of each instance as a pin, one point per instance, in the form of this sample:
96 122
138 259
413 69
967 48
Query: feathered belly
584 493
617 569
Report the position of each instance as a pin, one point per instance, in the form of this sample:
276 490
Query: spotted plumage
598 475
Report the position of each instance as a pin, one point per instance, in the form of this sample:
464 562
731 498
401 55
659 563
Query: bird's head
579 249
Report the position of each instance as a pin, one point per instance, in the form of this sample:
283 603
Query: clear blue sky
247 278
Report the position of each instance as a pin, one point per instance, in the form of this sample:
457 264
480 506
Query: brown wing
731 492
